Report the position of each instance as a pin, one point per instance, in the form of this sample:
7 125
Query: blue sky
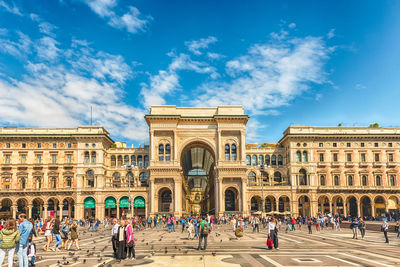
287 62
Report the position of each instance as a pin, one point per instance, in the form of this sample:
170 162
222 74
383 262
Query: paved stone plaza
157 247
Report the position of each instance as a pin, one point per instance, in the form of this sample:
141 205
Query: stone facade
197 162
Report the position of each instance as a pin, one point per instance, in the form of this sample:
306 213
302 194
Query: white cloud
270 75
165 82
331 34
214 56
18 48
197 45
279 36
11 9
3 31
131 21
55 94
292 25
44 26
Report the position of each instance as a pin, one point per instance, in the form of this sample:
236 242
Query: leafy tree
374 125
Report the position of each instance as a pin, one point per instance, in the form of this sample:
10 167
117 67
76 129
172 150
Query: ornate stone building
197 162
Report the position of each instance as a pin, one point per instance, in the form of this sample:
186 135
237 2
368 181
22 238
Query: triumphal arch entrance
197 160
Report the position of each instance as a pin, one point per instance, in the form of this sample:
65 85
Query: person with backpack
25 227
354 228
362 226
204 229
309 225
384 229
9 237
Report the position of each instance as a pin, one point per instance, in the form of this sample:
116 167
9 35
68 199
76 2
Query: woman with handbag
48 228
74 235
64 233
273 232
130 241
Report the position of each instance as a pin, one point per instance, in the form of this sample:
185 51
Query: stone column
330 206
69 209
372 209
117 210
386 206
217 196
79 211
45 206
177 198
358 208
30 206
14 211
60 206
152 198
244 197
345 209
222 203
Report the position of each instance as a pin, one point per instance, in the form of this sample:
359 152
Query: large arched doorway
380 206
284 204
255 204
165 200
230 200
198 169
90 207
323 204
6 208
366 210
37 208
22 206
270 204
304 206
338 206
352 207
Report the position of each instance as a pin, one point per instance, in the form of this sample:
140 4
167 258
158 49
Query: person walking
121 252
74 235
25 228
384 229
48 227
114 236
56 233
64 230
204 229
256 224
309 225
273 232
130 241
354 228
190 230
9 237
362 226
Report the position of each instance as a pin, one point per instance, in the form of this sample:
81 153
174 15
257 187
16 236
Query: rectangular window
23 145
334 144
321 157
335 157
38 159
376 157
362 157
390 145
53 159
362 144
321 144
8 145
348 157
54 145
69 158
348 144
390 156
69 145
39 145
8 159
23 159
376 144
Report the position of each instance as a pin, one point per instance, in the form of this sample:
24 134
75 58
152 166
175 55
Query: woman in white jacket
273 231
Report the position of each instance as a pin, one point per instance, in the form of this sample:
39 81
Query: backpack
206 229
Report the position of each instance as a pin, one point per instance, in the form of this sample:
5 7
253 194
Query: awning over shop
124 202
110 203
139 202
90 203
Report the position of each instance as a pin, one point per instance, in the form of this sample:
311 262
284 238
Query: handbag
130 244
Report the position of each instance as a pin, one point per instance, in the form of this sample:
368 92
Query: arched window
146 160
130 179
227 152
251 179
336 180
53 181
273 160
113 161
298 156
364 179
116 179
277 177
119 160
87 157
68 182
303 177
140 161
233 152
168 152
254 160
322 180
248 160
93 157
305 156
133 160
90 178
267 160
126 160
265 177
23 183
143 179
378 180
350 180
261 159
229 200
161 152
392 180
280 160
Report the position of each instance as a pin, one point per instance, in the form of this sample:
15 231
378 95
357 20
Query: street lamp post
129 168
263 169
